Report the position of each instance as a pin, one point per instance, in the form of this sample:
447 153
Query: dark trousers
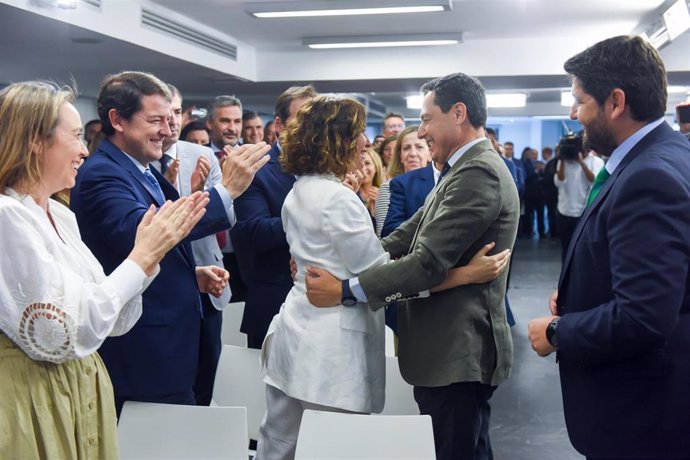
237 286
186 399
210 346
460 415
566 228
255 341
533 206
552 215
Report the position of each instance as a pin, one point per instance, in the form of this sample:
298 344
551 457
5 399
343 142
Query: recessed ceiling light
354 7
382 41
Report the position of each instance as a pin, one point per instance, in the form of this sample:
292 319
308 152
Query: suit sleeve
397 209
648 252
256 228
471 201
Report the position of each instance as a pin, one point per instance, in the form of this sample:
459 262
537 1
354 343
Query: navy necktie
165 162
444 171
156 186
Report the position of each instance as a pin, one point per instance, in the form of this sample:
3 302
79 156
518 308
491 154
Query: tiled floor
527 418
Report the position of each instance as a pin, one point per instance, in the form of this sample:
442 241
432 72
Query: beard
598 137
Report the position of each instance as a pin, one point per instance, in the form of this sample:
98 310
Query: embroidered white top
56 303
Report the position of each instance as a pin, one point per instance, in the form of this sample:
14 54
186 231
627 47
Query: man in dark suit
259 239
157 360
408 192
621 316
190 168
455 346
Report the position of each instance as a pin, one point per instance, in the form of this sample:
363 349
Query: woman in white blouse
56 304
328 359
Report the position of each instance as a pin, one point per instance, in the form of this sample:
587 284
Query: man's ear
278 124
116 120
459 110
617 102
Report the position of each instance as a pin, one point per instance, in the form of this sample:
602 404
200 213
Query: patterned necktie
221 236
602 175
156 186
444 170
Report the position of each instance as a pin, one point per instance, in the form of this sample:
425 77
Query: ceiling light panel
353 8
382 41
503 100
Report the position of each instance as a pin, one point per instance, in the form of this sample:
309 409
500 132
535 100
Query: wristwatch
551 331
348 299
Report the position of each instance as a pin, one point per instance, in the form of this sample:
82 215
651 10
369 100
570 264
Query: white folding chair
399 396
332 435
151 431
232 319
239 382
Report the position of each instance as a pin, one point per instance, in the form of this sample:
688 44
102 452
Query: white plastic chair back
232 319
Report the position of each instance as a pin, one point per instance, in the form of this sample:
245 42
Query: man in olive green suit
455 345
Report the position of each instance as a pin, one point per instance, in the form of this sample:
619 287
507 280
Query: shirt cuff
357 290
227 203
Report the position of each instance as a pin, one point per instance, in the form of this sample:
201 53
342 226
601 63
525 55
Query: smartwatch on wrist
348 298
551 333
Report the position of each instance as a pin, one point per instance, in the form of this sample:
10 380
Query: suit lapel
641 146
472 153
121 159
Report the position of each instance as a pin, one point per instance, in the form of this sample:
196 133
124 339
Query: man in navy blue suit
259 239
157 360
621 316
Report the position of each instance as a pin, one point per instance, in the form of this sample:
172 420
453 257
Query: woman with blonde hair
56 304
397 166
371 181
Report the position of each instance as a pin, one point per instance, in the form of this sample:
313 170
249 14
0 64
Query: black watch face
349 301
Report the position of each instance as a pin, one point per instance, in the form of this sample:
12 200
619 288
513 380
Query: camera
683 112
570 146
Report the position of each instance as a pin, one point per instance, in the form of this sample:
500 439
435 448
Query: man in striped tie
621 317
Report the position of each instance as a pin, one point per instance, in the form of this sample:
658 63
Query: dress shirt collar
172 151
437 172
628 144
456 156
139 166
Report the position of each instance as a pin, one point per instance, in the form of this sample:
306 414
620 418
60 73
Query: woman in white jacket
326 358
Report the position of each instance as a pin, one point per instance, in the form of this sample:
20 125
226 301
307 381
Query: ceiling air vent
155 21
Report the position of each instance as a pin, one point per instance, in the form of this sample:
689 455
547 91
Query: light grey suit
206 250
461 334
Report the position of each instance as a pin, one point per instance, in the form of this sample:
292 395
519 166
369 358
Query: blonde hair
28 117
396 168
377 180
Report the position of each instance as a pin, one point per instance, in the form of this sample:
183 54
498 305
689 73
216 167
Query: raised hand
200 174
172 172
241 164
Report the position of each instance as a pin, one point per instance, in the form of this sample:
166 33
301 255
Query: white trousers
280 426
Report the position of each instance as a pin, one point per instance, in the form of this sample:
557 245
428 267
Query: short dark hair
250 115
322 137
628 63
458 87
491 131
91 122
124 92
508 143
195 125
220 102
294 92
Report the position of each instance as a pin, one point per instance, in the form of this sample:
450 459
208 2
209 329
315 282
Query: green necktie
602 175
